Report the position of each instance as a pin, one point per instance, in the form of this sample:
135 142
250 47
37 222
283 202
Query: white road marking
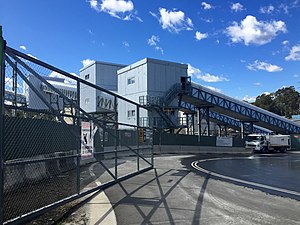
197 167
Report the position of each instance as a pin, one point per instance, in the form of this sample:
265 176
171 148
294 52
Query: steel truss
242 111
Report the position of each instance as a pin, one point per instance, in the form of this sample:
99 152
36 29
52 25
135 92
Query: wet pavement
276 170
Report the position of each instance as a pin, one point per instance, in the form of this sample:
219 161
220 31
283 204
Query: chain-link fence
56 147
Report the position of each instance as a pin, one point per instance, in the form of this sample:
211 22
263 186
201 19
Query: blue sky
240 48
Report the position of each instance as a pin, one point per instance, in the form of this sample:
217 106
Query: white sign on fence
88 131
224 141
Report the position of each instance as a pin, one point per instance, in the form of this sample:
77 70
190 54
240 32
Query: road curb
100 210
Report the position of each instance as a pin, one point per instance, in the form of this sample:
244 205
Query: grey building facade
102 74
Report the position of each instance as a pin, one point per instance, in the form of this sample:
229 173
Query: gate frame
34 214
2 93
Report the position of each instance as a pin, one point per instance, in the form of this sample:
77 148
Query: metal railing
54 149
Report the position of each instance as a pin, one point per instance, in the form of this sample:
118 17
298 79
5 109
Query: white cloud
247 98
257 84
153 41
23 47
126 44
206 77
296 75
8 82
207 20
258 65
290 5
294 54
139 19
120 9
237 7
94 5
206 5
213 88
173 20
87 62
251 31
199 36
286 42
267 9
67 80
91 32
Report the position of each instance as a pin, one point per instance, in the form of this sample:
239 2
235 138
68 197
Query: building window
86 77
130 113
87 101
131 80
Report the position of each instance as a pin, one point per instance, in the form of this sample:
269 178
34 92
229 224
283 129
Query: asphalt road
272 171
177 193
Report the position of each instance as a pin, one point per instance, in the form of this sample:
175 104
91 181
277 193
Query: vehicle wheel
282 150
265 150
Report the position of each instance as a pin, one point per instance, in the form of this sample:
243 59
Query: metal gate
54 148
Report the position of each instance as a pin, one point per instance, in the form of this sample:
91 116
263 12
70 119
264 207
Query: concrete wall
191 140
181 149
16 175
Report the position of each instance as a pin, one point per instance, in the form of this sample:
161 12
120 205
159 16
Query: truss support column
251 127
2 93
225 129
207 121
187 123
242 129
193 123
199 124
220 130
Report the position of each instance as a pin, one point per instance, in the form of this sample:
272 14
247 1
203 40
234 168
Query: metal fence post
78 153
117 136
2 94
138 138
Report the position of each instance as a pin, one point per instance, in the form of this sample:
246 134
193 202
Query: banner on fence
224 141
87 135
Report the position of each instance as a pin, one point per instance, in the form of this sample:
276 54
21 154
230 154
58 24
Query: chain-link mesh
55 145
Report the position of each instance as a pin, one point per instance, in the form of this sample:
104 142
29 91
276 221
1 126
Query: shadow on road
158 199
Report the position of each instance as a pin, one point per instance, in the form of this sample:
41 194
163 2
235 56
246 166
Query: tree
284 102
266 101
287 100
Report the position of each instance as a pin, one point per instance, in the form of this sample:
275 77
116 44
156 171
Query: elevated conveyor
223 119
201 97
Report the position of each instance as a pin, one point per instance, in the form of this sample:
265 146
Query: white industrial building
147 82
35 102
104 75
